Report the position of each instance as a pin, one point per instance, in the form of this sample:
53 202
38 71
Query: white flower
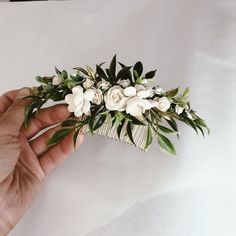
79 101
56 80
145 93
179 109
123 82
114 99
97 97
162 104
139 87
159 90
136 106
103 84
88 83
130 91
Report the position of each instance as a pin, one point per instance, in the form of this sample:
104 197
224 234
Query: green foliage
99 115
165 144
58 136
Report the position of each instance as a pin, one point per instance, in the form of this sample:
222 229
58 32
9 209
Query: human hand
24 160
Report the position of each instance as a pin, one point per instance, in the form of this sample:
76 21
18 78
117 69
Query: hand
24 160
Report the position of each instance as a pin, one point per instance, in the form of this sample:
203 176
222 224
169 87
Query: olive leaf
129 131
138 70
100 122
119 128
150 74
172 92
58 136
113 69
166 130
165 144
149 137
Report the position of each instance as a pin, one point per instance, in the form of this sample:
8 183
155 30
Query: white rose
136 106
103 84
97 97
79 101
130 91
56 80
114 99
88 83
162 104
159 90
179 109
123 82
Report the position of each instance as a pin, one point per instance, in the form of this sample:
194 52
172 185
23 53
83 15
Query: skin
24 161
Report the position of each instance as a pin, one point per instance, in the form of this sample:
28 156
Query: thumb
13 118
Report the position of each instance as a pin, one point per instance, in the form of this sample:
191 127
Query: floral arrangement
123 105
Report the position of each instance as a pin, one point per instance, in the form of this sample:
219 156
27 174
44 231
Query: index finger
7 99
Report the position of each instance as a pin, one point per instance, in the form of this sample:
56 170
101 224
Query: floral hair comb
121 105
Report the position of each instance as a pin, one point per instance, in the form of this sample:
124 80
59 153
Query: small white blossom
145 93
115 99
56 80
179 109
79 101
88 83
97 97
163 104
159 90
123 82
136 106
103 84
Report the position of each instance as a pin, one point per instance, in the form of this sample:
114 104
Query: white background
109 188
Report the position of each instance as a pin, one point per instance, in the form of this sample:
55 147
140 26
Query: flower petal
77 89
89 94
130 91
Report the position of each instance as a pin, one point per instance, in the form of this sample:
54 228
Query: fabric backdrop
109 188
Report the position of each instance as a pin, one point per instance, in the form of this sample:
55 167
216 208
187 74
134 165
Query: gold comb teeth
120 104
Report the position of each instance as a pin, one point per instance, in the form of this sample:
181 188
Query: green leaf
42 80
173 125
166 130
119 128
172 92
150 74
101 72
64 74
58 136
28 114
149 137
113 68
165 144
185 93
201 130
81 70
202 123
57 71
190 123
138 67
129 132
124 73
70 122
75 136
135 121
100 122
